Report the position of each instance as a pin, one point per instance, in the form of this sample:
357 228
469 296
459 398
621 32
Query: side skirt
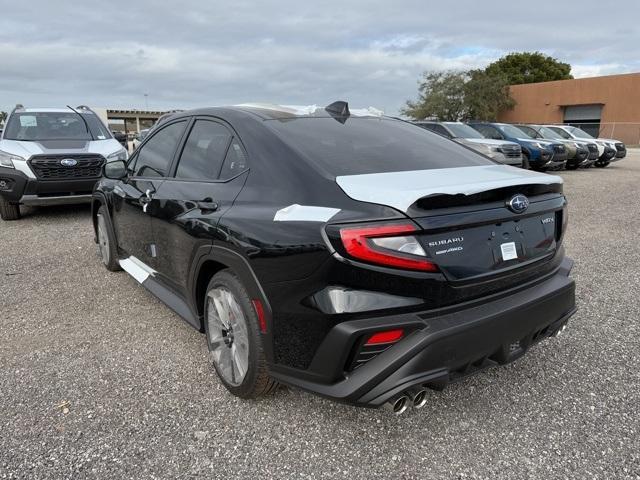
146 276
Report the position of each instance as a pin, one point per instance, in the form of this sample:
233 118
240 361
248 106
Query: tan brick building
608 106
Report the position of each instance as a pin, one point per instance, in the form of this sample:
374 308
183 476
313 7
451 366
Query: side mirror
116 170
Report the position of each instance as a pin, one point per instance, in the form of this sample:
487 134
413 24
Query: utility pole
146 101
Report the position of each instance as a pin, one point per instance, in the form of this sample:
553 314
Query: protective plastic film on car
400 190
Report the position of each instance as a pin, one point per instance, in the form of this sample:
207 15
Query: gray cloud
191 53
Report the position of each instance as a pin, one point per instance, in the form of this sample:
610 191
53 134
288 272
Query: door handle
207 205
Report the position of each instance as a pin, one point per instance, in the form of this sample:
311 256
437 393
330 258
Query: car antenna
84 120
339 111
340 108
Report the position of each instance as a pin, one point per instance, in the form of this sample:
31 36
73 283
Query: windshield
561 132
579 133
460 130
364 145
546 132
530 131
34 126
511 131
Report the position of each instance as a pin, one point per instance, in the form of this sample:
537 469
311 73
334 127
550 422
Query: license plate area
480 250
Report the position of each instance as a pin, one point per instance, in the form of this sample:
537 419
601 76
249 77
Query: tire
234 339
9 211
571 166
107 249
602 163
525 161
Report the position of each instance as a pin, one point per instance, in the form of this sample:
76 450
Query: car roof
271 111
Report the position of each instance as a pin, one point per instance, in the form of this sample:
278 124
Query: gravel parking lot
98 379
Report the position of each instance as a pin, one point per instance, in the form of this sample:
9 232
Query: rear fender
240 266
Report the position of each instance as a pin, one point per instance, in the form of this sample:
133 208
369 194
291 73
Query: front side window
35 126
204 151
155 156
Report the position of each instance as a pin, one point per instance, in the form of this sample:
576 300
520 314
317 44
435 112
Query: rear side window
204 152
361 145
236 161
156 154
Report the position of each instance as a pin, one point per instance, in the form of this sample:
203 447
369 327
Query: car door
133 202
206 179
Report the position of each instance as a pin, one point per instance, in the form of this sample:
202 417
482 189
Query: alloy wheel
229 338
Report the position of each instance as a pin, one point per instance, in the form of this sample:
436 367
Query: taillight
387 244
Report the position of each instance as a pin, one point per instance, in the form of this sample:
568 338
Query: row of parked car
539 147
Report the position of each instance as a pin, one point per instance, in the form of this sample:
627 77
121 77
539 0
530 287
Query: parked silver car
509 153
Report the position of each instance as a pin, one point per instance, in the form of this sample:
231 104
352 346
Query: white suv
610 150
52 156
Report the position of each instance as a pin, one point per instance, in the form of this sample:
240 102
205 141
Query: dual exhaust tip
414 397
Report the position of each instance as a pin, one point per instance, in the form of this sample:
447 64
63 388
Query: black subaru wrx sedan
340 251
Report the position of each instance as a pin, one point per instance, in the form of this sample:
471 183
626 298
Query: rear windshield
34 126
364 145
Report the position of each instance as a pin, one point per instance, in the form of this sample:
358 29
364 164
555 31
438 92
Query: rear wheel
602 163
233 336
9 211
107 241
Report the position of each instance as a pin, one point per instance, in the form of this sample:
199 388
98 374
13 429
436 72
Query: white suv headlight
7 159
119 155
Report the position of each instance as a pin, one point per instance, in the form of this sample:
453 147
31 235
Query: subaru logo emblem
68 162
518 203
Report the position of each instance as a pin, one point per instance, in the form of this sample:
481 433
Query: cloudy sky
188 53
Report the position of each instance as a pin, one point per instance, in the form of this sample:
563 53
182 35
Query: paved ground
99 380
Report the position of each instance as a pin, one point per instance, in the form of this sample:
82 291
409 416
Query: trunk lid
470 226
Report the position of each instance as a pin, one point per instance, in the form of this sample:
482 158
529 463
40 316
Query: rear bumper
16 187
444 345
